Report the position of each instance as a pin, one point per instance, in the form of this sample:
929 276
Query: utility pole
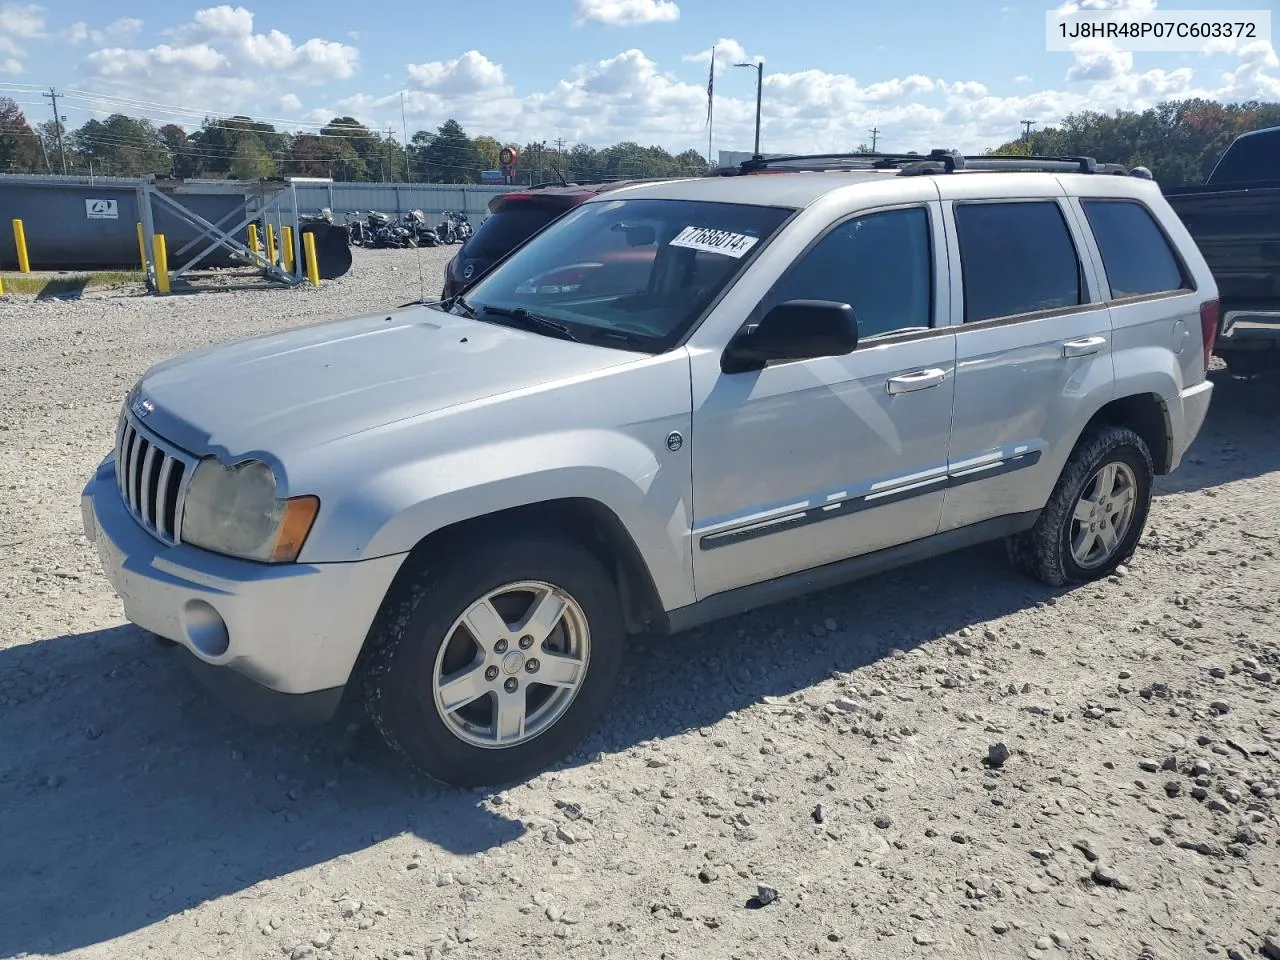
404 126
1026 135
875 133
759 68
560 154
57 127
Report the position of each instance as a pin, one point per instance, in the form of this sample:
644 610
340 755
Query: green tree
20 148
446 156
182 154
251 161
120 146
487 149
1179 141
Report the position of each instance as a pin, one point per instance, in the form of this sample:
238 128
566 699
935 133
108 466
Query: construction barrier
20 241
162 264
309 249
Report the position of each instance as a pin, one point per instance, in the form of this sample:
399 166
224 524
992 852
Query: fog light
205 629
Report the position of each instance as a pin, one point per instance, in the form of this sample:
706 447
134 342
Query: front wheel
1095 515
492 667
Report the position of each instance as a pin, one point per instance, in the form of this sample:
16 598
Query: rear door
1033 346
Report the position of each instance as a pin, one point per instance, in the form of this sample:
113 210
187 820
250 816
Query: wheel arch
1147 415
580 520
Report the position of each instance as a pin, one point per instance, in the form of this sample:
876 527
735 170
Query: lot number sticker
714 241
102 209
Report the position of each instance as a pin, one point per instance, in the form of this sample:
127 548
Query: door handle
1083 348
920 380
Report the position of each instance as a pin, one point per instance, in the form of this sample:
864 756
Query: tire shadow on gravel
128 795
1239 439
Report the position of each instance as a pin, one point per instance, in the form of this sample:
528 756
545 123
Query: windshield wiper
521 315
458 301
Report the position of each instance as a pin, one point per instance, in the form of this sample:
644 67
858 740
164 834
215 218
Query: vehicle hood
315 384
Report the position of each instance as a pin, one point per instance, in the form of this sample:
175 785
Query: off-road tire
396 671
1044 551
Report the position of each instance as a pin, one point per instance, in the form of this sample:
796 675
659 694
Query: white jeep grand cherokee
680 401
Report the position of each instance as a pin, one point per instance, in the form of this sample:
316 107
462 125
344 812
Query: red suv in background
514 218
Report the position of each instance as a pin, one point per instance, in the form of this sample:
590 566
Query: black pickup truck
1234 218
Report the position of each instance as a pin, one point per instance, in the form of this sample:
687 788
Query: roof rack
841 161
935 161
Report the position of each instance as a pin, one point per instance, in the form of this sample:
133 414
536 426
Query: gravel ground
947 761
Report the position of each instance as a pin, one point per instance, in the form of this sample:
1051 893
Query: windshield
508 228
630 273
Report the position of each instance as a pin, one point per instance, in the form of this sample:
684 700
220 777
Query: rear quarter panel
1157 343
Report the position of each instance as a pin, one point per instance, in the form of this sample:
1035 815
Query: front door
808 462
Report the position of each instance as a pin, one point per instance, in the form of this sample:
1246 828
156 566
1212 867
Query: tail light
1210 312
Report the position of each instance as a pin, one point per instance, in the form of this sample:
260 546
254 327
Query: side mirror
795 330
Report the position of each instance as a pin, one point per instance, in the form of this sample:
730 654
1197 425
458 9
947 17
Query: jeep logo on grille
141 407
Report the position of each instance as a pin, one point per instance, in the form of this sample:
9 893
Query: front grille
152 477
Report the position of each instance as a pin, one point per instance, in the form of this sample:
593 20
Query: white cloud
290 103
122 29
217 63
23 20
18 21
465 76
1022 78
627 13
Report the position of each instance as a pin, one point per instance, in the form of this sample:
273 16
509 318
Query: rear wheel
1096 514
493 667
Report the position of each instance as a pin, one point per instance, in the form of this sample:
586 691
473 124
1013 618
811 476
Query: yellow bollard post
142 249
20 240
271 242
253 237
286 247
309 249
1 286
162 264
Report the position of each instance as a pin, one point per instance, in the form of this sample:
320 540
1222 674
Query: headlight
234 510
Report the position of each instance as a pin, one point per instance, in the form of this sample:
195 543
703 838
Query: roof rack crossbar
846 161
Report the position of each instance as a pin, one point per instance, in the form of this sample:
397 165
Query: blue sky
926 73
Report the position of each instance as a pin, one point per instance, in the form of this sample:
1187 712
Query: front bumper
277 642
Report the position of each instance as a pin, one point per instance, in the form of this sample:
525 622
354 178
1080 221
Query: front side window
1135 253
629 273
1016 258
881 264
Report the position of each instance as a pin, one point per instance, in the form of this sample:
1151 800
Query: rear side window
1016 258
508 228
1135 252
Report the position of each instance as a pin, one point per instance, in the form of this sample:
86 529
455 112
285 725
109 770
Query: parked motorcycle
415 221
462 226
447 231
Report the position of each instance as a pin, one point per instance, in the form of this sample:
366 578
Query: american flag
711 83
